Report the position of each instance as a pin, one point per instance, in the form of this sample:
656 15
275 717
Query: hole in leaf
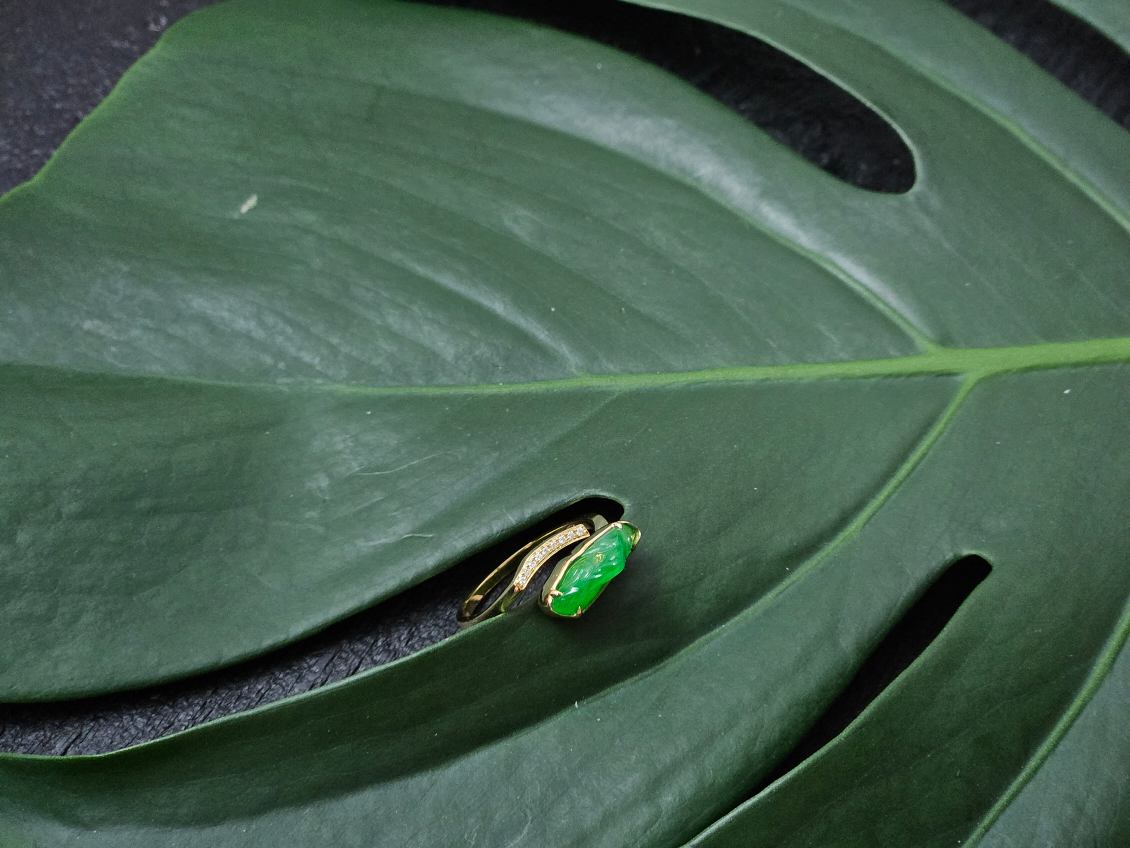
796 105
395 628
906 640
1072 50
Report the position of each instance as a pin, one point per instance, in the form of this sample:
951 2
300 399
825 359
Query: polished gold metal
522 566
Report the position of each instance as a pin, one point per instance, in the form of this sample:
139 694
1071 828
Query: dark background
59 58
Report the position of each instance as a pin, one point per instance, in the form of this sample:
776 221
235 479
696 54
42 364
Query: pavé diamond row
534 559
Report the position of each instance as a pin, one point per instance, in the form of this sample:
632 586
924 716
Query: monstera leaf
329 295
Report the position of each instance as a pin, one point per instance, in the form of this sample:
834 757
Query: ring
595 550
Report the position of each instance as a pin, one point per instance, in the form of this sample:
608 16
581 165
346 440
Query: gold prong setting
606 552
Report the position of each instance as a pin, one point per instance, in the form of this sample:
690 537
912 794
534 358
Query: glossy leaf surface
328 296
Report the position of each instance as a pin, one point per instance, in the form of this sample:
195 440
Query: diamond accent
555 543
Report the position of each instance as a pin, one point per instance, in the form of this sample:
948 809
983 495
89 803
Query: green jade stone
587 576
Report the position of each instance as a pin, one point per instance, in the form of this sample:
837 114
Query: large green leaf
328 295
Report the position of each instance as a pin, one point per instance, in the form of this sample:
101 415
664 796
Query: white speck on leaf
1067 391
249 204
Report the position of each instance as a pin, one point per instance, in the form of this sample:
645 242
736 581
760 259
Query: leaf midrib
972 362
